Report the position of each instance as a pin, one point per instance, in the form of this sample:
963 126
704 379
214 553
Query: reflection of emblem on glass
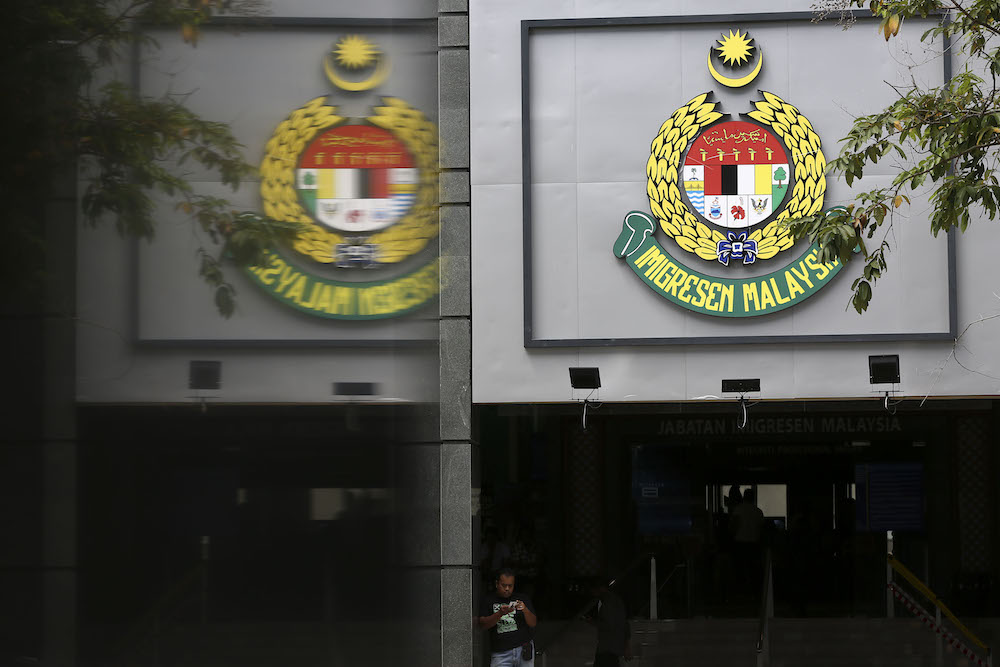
362 255
356 64
362 195
356 178
317 170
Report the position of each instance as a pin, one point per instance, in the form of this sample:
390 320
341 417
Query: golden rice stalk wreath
421 224
684 125
277 172
408 236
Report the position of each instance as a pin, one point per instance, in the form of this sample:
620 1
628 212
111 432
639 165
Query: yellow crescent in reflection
377 77
742 81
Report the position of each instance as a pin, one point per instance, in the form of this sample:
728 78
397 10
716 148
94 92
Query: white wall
598 97
143 312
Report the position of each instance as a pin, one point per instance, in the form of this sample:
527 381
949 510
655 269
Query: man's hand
628 650
487 622
529 616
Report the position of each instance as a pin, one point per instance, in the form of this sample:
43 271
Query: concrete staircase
268 645
808 642
700 642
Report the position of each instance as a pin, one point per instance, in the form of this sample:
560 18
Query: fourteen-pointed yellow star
735 49
355 52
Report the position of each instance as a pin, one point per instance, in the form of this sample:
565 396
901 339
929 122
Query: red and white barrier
931 623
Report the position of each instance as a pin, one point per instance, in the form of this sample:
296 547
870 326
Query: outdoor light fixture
204 375
741 387
884 369
586 378
351 391
355 389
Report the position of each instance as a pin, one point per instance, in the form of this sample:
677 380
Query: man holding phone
510 622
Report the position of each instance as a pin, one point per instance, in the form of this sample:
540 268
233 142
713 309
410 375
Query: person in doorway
733 498
725 558
748 522
511 622
614 636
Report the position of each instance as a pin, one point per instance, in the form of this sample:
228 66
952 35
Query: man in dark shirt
510 621
613 631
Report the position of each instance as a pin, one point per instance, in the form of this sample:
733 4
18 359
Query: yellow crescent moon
377 77
742 81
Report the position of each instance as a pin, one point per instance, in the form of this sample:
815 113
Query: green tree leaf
130 144
944 136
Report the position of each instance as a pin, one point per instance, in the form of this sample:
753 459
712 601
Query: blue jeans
510 658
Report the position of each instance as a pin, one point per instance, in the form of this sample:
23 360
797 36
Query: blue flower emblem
737 247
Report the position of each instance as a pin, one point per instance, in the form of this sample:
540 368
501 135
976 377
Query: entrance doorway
718 507
645 481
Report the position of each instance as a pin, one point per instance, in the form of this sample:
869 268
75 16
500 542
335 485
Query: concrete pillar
458 635
58 430
38 446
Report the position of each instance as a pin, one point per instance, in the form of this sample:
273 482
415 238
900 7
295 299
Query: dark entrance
717 509
834 483
233 534
819 491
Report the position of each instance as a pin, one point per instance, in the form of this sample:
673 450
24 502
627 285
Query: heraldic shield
721 189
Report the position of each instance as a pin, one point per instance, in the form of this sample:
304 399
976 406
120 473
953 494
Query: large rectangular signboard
634 202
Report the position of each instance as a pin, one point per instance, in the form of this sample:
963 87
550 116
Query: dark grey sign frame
528 26
264 23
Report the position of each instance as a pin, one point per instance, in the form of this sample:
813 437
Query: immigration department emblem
364 193
720 188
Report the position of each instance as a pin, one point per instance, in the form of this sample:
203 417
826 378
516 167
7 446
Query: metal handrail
937 602
934 599
764 595
679 566
638 560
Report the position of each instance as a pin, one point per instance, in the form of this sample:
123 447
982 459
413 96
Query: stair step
816 642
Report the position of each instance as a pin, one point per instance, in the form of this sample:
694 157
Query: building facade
185 502
493 193
623 219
